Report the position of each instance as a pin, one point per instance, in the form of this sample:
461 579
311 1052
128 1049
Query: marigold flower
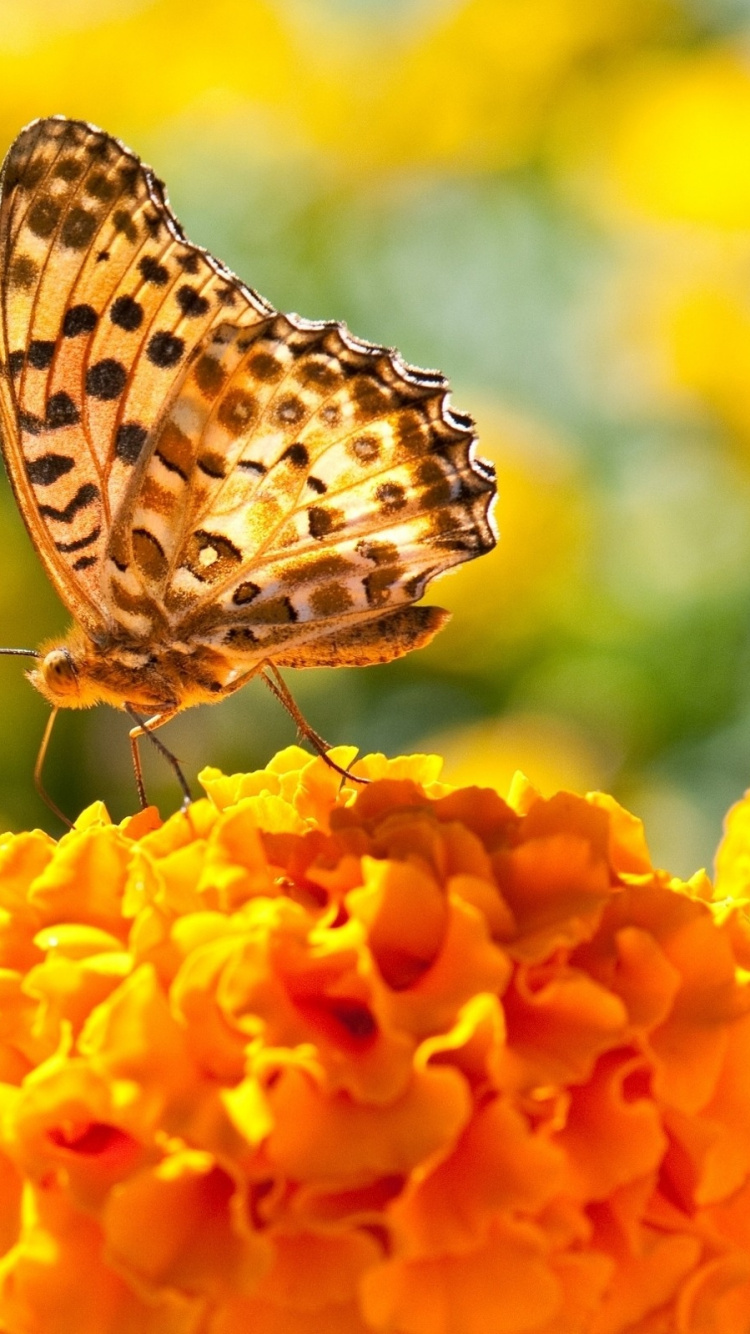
312 1058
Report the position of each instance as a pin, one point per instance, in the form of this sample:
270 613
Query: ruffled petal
318 1057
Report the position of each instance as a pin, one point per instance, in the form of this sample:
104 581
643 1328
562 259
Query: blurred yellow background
549 200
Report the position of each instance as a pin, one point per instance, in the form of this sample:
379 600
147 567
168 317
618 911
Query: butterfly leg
278 687
38 784
147 727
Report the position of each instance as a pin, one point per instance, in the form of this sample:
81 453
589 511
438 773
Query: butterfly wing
101 303
193 467
299 484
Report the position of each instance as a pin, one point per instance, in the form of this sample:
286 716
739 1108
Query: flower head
398 1058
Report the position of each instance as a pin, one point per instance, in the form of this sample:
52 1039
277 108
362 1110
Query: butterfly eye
59 672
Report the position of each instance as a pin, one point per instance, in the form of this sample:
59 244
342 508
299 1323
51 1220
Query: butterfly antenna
20 652
38 784
278 687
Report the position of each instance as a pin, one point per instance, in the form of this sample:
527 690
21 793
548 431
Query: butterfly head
56 676
63 673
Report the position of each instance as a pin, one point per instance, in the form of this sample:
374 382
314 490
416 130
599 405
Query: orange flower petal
312 1058
503 1285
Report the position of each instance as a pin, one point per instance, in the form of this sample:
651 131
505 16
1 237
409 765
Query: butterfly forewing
196 469
103 302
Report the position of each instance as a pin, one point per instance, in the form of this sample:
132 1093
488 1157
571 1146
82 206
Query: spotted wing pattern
102 301
300 481
195 468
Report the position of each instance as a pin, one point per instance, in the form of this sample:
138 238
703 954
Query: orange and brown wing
300 486
191 465
102 302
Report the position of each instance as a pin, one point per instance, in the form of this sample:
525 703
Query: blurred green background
549 200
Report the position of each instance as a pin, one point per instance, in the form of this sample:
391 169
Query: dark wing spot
226 296
297 455
191 303
364 449
189 261
153 224
175 450
390 496
152 271
237 410
129 441
378 583
30 174
371 398
126 313
78 320
149 553
209 375
316 569
82 542
84 562
67 169
275 611
381 553
12 179
250 465
164 349
210 557
123 222
245 592
212 465
99 148
23 272
100 186
321 522
15 361
106 379
61 411
265 367
290 410
170 465
27 421
330 599
78 229
221 544
129 177
44 217
80 500
438 489
40 353
240 636
319 372
315 484
49 468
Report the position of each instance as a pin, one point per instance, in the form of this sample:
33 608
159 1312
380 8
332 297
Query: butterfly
215 489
